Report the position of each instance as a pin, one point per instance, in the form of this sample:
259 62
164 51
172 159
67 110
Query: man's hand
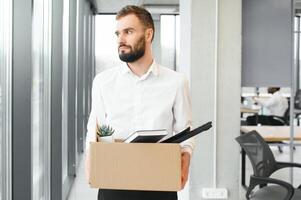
185 167
255 99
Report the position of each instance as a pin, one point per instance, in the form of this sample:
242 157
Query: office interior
230 51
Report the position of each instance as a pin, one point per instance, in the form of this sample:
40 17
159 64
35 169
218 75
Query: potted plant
105 133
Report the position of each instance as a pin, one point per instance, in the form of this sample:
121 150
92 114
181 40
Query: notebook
186 134
146 136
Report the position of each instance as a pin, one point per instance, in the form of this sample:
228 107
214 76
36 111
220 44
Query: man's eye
129 32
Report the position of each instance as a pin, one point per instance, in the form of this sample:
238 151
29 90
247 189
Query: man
277 104
139 95
277 107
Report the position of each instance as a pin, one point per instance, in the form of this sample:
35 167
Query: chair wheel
280 149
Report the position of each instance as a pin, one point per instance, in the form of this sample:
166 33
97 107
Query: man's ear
149 34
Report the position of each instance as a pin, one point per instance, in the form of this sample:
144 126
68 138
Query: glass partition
262 109
266 110
296 154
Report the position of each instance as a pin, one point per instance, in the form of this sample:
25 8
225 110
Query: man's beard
136 52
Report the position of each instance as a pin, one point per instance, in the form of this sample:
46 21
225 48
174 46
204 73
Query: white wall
198 61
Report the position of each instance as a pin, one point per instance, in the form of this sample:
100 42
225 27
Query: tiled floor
81 190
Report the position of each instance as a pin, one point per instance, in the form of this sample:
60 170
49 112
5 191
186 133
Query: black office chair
264 164
269 120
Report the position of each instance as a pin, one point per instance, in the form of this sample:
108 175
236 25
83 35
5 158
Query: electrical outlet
214 193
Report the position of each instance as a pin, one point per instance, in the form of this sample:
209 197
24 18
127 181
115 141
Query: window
40 100
1 132
106 54
66 21
5 98
170 40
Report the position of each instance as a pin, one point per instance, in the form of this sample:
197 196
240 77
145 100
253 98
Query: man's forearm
185 167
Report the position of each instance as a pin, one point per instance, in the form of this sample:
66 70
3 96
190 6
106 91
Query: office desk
248 109
270 134
273 133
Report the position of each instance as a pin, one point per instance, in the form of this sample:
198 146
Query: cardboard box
135 166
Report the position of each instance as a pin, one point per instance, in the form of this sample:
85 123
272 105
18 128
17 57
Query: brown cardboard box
135 166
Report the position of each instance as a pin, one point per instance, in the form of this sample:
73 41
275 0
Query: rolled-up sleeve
182 113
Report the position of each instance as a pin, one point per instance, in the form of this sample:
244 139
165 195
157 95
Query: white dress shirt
277 104
157 100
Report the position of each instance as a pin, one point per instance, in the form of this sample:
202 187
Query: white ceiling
112 6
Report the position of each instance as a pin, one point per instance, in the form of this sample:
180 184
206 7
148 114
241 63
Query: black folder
186 134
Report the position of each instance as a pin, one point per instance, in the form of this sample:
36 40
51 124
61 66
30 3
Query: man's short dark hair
142 14
272 90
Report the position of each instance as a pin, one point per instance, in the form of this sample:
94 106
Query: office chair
269 120
264 164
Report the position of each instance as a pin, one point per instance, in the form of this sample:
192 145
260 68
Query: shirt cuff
187 149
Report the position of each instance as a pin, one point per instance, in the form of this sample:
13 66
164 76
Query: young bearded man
139 95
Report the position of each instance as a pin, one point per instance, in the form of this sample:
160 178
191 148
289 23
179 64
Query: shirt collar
154 68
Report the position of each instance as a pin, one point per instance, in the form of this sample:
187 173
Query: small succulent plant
104 130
